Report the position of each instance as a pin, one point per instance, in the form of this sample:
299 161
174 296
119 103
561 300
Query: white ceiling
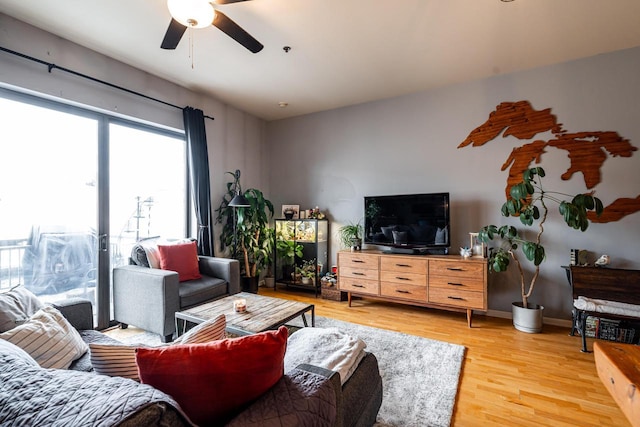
343 52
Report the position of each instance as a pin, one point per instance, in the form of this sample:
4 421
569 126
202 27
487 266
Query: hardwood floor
509 378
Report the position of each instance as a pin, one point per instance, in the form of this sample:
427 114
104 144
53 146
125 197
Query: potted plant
269 279
307 271
350 236
225 216
287 250
528 200
249 233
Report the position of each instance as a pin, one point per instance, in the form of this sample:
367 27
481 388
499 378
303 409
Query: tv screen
410 221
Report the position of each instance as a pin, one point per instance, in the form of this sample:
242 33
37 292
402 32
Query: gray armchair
148 298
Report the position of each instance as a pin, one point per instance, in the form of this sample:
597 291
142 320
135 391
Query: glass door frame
105 214
103 119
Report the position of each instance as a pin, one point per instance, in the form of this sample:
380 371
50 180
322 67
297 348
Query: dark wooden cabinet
604 321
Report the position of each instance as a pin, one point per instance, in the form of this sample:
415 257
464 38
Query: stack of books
578 257
612 330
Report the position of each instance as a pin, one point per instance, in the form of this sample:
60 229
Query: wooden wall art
587 151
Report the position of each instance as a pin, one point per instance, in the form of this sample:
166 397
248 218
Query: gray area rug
420 376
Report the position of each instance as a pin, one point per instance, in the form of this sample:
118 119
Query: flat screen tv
408 223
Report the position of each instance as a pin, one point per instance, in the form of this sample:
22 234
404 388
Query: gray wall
235 138
401 145
409 144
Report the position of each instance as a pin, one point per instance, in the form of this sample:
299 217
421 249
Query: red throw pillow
182 258
213 381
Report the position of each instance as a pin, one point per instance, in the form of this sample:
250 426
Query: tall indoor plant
269 278
528 200
246 230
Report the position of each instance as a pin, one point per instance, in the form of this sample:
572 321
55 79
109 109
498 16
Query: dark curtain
198 164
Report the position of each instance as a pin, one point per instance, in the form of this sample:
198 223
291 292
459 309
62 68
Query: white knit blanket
604 306
325 347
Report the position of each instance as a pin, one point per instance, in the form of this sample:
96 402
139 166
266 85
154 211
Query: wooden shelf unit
446 282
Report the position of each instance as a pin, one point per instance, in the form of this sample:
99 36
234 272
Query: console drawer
358 260
457 298
437 281
459 283
404 278
459 268
399 290
403 264
360 286
358 272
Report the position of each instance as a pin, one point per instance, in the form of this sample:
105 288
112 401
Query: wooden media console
446 282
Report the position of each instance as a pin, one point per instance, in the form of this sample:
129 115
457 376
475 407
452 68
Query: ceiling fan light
191 13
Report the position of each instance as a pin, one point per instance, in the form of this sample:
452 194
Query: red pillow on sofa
213 381
182 258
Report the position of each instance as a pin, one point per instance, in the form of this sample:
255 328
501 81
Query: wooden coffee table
263 313
617 366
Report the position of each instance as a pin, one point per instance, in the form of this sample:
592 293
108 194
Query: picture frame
478 248
294 208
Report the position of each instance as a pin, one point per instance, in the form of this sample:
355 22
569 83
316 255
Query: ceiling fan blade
227 1
233 30
173 35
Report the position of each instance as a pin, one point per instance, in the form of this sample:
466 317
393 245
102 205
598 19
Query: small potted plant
523 201
350 236
307 271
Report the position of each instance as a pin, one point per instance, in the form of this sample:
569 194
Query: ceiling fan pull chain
191 46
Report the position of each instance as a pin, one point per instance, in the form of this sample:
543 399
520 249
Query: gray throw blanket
300 399
31 396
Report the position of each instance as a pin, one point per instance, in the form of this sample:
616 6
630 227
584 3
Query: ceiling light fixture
283 104
191 13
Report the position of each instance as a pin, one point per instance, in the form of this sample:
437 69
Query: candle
240 305
478 250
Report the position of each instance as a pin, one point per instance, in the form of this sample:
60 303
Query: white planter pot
527 319
269 282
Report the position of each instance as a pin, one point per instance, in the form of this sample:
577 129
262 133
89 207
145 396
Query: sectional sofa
306 395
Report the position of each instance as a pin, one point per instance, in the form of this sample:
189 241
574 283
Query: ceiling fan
200 14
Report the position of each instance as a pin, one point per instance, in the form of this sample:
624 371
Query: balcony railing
11 256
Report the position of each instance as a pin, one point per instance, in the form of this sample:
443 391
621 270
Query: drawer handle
403 265
355 273
402 278
358 261
455 269
454 284
402 291
358 286
456 298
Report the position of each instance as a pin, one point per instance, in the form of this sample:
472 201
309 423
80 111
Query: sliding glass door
48 200
148 191
77 190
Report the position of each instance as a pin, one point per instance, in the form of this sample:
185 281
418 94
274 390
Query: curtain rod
51 66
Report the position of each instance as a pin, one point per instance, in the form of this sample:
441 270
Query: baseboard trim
545 320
